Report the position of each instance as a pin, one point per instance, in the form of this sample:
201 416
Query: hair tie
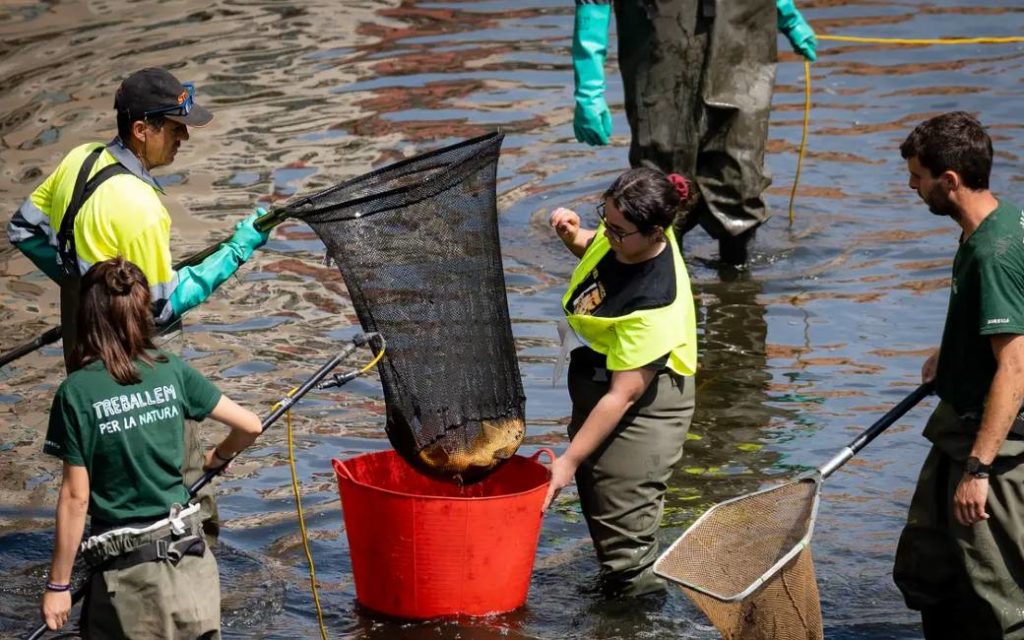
682 186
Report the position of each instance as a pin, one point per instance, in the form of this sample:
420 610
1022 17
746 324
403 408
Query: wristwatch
975 468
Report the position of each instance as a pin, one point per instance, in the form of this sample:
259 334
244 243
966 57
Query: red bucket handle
341 469
536 455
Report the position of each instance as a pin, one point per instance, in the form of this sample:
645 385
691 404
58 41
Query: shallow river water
824 332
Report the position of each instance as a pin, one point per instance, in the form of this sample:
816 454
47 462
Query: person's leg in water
622 485
693 110
964 580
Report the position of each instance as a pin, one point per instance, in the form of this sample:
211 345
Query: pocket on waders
135 595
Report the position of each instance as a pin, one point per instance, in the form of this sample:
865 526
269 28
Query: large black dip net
417 244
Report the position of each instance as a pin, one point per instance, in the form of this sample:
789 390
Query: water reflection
823 334
726 456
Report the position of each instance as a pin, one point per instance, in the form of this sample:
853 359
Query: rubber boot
735 250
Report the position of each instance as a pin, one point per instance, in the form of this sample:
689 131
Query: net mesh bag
417 244
747 564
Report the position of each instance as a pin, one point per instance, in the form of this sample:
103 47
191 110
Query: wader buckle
160 548
189 546
178 526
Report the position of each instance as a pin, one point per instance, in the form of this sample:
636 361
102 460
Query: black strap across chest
84 187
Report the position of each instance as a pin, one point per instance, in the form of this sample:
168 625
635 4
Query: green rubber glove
248 237
592 122
43 255
800 34
196 283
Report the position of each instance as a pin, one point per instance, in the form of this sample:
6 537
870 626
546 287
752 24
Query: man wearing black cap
101 202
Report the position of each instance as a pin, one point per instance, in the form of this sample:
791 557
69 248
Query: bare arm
626 388
929 367
245 428
72 505
1001 407
1004 396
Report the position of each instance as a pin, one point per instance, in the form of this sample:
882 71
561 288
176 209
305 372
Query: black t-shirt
613 289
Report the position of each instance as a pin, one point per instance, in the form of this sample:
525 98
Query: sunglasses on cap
185 103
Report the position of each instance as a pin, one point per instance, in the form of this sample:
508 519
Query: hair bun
682 186
120 279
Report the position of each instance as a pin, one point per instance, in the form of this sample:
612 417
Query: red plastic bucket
423 548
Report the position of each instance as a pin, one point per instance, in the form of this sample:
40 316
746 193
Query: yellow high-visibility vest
124 217
636 339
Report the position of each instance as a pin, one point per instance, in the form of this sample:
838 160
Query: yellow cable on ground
298 504
302 528
803 137
924 41
857 39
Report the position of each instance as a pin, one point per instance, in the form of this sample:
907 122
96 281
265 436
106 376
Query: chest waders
698 77
127 547
70 271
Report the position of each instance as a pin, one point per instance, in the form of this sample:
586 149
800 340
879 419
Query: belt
166 549
589 364
167 539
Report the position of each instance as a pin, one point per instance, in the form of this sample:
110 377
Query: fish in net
417 245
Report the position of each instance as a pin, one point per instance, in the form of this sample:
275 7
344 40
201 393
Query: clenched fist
566 224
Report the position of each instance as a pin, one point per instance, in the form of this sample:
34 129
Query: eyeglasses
185 102
616 233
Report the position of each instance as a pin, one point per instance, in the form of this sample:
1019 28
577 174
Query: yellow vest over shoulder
124 217
638 338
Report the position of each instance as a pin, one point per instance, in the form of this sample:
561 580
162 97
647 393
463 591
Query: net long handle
48 337
285 404
263 223
872 432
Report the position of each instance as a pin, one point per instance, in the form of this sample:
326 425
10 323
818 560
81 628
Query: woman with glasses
631 383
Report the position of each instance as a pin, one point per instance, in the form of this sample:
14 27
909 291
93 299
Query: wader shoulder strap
83 189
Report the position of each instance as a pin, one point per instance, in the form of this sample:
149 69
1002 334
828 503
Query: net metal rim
813 476
422 191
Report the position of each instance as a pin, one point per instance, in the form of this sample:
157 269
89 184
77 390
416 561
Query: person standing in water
631 385
118 425
698 77
960 559
102 202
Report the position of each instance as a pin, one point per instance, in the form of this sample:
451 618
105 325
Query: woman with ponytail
118 424
631 383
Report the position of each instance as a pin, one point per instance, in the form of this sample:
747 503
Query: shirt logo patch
588 301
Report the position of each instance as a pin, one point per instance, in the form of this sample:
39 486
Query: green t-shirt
986 298
130 438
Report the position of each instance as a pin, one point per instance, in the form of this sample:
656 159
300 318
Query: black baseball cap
155 92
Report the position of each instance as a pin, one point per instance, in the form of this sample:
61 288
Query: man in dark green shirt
960 559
